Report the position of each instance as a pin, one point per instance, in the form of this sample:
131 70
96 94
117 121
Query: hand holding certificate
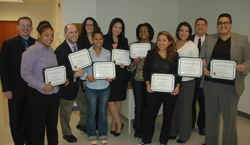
162 82
55 75
139 49
120 56
80 59
190 67
103 70
223 69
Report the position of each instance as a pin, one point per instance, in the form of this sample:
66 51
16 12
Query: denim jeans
139 89
92 97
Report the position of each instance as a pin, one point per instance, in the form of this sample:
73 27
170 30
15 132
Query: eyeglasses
225 23
89 24
27 26
143 31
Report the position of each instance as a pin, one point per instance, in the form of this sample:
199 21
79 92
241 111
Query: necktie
74 47
199 44
26 44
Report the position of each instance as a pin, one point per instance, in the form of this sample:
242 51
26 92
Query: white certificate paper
55 75
139 49
120 56
223 69
103 70
80 59
162 82
190 67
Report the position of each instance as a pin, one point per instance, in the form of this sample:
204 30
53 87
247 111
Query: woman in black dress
115 40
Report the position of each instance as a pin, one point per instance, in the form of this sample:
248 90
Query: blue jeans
92 97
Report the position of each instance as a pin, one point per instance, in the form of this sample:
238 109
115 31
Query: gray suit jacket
240 52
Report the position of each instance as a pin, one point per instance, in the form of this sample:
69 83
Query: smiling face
163 42
143 33
200 28
224 26
46 38
24 28
117 29
72 34
89 26
184 32
98 40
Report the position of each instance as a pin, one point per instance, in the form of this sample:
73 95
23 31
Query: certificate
80 59
103 70
190 67
55 75
223 69
121 57
139 49
162 82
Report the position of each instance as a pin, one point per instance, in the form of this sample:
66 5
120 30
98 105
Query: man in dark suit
200 30
13 86
222 95
69 93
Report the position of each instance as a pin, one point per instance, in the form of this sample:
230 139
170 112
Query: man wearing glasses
200 30
222 95
13 86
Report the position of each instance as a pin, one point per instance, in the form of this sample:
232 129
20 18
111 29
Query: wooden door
8 29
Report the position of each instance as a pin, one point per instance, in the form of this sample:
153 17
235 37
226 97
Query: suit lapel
233 44
20 43
67 48
213 42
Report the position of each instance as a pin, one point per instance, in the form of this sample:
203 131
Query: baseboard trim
243 114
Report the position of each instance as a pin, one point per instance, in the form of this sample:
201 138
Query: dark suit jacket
239 51
11 56
69 92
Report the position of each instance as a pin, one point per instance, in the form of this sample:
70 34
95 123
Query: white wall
190 10
37 13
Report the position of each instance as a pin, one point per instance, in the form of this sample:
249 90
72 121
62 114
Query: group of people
33 105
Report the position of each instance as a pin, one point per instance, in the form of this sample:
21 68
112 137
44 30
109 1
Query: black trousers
44 115
20 118
198 95
153 105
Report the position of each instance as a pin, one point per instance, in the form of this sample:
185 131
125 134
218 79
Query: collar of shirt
23 40
93 51
41 47
71 45
196 39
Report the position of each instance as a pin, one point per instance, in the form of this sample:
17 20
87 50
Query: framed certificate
162 82
55 75
120 56
223 69
80 59
190 67
139 49
103 70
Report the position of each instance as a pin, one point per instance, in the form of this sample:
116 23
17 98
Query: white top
188 50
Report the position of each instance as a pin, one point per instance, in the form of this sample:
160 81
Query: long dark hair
84 32
121 37
171 50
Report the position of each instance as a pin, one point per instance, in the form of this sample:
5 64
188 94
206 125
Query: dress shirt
34 60
24 40
99 84
196 39
71 46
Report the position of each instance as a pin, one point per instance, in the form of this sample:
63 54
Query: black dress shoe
82 128
172 136
112 132
28 143
204 144
180 141
202 131
70 138
117 134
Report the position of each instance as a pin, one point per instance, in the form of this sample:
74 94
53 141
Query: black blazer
84 40
11 56
69 92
